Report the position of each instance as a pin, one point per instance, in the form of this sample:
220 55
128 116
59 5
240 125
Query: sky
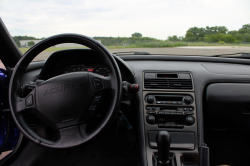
152 18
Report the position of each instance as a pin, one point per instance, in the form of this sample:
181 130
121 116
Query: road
203 51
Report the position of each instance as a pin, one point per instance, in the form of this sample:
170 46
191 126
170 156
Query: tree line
215 34
119 41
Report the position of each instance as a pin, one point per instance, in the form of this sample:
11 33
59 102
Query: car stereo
169 110
169 99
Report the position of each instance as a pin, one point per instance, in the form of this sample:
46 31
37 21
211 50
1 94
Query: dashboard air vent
167 83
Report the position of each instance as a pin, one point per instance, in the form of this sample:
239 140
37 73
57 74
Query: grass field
149 45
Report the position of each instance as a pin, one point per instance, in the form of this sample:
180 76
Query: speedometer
102 70
77 69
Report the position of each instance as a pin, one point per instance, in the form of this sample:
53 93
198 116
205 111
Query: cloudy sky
152 18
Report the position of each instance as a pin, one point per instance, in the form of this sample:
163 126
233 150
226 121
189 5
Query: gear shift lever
163 140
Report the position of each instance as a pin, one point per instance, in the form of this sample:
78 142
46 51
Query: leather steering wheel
64 102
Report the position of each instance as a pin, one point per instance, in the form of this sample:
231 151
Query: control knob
188 99
150 99
151 119
190 120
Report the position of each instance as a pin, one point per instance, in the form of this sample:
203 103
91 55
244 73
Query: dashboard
220 107
217 88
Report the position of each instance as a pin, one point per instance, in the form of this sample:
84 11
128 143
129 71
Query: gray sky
152 18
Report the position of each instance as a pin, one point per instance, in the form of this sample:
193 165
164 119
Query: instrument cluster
98 69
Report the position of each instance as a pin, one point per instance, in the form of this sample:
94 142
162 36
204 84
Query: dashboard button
164 102
180 109
29 101
167 125
150 112
174 126
161 113
180 126
158 102
189 113
98 83
161 125
97 100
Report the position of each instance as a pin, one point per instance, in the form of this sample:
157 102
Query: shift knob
163 140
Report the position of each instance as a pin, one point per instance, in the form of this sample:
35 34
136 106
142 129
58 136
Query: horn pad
62 100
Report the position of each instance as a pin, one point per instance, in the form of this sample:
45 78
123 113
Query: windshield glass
174 27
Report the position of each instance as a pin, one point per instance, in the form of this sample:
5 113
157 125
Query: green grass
158 44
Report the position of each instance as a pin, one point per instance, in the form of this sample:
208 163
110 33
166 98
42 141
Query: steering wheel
65 102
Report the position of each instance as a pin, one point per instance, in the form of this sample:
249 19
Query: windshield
173 27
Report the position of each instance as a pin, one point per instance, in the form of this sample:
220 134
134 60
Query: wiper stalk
243 55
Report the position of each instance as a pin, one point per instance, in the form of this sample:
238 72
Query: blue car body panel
7 126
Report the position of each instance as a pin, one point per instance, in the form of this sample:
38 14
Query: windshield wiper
244 55
132 52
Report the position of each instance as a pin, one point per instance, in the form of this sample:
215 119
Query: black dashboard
214 107
214 120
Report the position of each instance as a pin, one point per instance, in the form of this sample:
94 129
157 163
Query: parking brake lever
163 140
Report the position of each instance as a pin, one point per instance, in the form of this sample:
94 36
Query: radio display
168 98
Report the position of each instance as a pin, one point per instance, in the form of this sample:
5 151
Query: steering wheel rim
71 131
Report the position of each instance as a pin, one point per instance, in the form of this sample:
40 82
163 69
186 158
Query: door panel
8 131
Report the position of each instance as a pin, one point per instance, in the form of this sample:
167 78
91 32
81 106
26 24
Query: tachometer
102 70
77 69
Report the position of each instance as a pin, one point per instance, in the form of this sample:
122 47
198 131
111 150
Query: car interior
91 107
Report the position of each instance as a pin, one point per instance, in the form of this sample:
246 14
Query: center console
169 105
